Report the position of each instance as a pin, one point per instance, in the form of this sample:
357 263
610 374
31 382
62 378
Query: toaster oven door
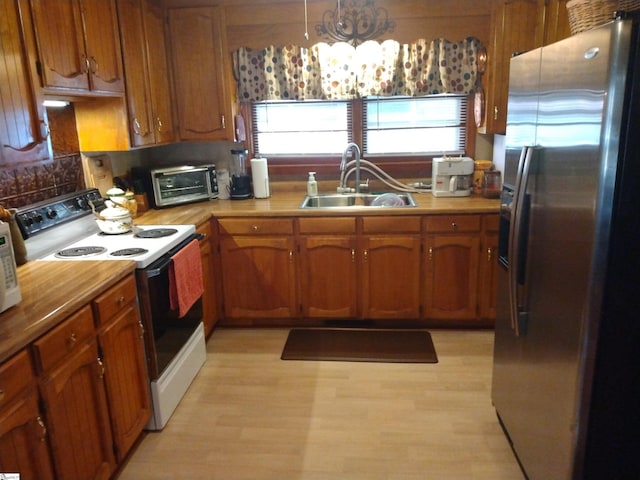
181 186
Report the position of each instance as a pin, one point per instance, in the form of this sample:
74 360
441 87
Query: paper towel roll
260 175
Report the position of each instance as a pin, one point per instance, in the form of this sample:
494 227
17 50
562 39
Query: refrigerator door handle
517 313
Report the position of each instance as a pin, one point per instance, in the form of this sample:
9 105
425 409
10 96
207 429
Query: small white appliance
9 289
452 176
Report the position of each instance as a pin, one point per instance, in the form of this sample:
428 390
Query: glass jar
491 184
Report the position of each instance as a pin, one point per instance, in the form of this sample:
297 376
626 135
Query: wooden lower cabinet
24 445
452 250
328 267
258 263
488 288
77 414
391 267
210 296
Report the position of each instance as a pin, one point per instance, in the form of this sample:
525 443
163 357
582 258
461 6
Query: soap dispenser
312 185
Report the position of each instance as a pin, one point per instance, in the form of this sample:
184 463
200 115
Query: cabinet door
210 297
451 276
133 50
159 76
23 439
259 276
24 134
103 46
516 26
77 416
328 275
391 276
199 60
488 288
59 32
126 377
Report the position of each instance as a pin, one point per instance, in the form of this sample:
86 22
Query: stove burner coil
80 252
156 232
129 252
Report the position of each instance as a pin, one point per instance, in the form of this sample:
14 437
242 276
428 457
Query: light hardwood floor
250 415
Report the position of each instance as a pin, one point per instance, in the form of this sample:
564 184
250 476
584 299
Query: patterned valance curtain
341 71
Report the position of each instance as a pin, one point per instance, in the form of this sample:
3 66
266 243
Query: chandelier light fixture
354 21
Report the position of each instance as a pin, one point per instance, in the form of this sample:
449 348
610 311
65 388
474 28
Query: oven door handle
163 263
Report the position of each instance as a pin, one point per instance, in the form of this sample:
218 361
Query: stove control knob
51 213
39 218
81 202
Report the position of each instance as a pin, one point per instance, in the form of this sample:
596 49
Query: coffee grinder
240 182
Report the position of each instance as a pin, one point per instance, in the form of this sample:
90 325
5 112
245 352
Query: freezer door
538 374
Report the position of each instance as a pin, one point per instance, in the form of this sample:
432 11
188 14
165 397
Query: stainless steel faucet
343 166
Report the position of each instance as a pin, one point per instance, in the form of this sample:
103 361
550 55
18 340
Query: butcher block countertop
51 291
285 201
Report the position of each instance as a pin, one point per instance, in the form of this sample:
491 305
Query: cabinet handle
223 121
365 254
353 255
430 253
141 327
44 130
101 365
495 112
93 65
43 428
84 67
72 339
489 254
159 124
121 300
291 255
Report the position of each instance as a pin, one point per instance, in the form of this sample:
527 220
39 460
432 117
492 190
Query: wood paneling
260 23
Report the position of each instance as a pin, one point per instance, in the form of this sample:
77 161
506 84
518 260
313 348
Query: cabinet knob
430 253
84 64
353 255
489 254
72 339
121 300
454 225
255 228
101 365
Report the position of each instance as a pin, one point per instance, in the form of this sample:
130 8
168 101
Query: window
391 126
416 125
301 128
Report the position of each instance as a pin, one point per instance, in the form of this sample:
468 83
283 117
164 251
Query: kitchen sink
354 200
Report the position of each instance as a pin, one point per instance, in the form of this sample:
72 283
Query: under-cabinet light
55 103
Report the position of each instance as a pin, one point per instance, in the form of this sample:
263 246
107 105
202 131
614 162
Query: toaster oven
169 186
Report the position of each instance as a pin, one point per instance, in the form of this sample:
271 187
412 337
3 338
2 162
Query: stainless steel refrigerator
566 375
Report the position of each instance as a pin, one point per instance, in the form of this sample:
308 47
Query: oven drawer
64 339
114 299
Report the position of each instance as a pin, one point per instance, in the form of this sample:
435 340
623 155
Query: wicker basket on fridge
586 14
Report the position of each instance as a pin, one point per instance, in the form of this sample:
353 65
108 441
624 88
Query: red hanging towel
185 278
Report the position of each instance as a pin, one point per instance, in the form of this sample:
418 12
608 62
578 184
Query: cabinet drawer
452 223
390 224
64 339
15 375
114 299
253 226
327 225
491 222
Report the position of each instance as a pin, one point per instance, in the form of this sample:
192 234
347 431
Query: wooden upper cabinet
24 136
200 66
79 47
556 21
516 26
146 72
159 75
